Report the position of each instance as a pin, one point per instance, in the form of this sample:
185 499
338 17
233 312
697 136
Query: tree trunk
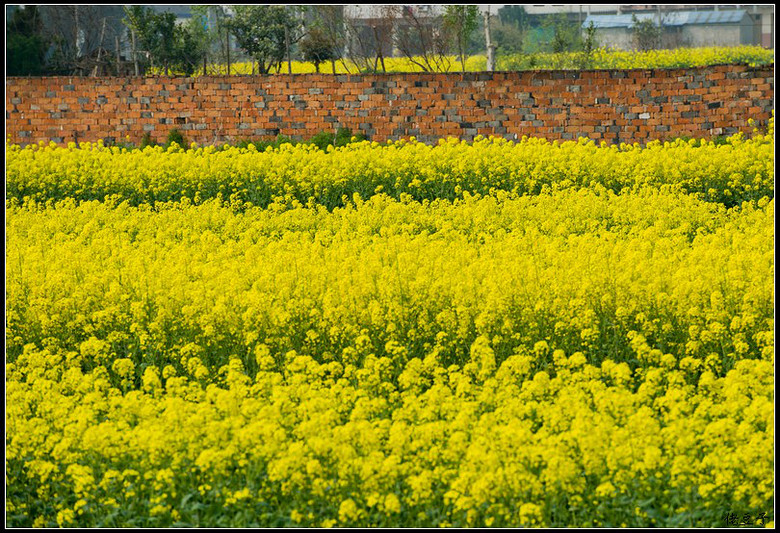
227 50
462 55
96 68
490 48
135 59
380 57
287 47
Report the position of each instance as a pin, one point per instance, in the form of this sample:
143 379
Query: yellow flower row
604 58
324 444
396 335
601 58
741 169
346 66
629 277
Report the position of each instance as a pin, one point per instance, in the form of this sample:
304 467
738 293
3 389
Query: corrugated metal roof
677 18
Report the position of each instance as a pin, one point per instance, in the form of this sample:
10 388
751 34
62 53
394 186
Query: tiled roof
677 18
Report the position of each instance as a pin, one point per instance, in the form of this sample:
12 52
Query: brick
548 104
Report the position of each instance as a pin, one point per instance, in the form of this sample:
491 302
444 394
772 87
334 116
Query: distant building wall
768 30
713 35
605 105
618 38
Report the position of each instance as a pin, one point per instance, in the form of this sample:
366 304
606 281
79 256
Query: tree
423 38
647 35
370 39
192 43
201 36
265 32
170 46
316 48
212 34
510 30
589 44
508 38
79 36
25 43
156 33
461 21
328 21
566 35
514 15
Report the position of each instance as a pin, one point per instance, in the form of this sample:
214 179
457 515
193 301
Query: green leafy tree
25 44
461 21
514 15
212 33
196 41
647 34
508 38
566 34
156 33
328 21
169 46
589 45
511 29
317 48
265 32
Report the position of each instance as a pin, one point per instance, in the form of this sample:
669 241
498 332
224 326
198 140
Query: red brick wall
614 106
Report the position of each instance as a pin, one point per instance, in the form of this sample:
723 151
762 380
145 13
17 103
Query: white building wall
615 38
712 35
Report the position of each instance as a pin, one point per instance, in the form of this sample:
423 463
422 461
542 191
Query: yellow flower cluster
574 357
731 172
347 66
601 58
323 444
605 58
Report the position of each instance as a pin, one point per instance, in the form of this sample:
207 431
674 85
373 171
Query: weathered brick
632 105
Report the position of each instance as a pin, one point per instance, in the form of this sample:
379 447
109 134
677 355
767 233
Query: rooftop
676 18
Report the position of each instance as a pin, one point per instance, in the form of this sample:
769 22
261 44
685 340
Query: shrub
175 136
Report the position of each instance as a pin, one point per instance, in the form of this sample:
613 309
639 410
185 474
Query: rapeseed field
488 334
600 58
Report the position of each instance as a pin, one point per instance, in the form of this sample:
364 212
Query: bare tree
82 36
370 39
423 38
215 37
460 21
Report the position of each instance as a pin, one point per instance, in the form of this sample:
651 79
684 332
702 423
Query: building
695 30
392 29
679 28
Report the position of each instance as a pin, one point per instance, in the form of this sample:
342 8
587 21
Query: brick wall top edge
325 76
